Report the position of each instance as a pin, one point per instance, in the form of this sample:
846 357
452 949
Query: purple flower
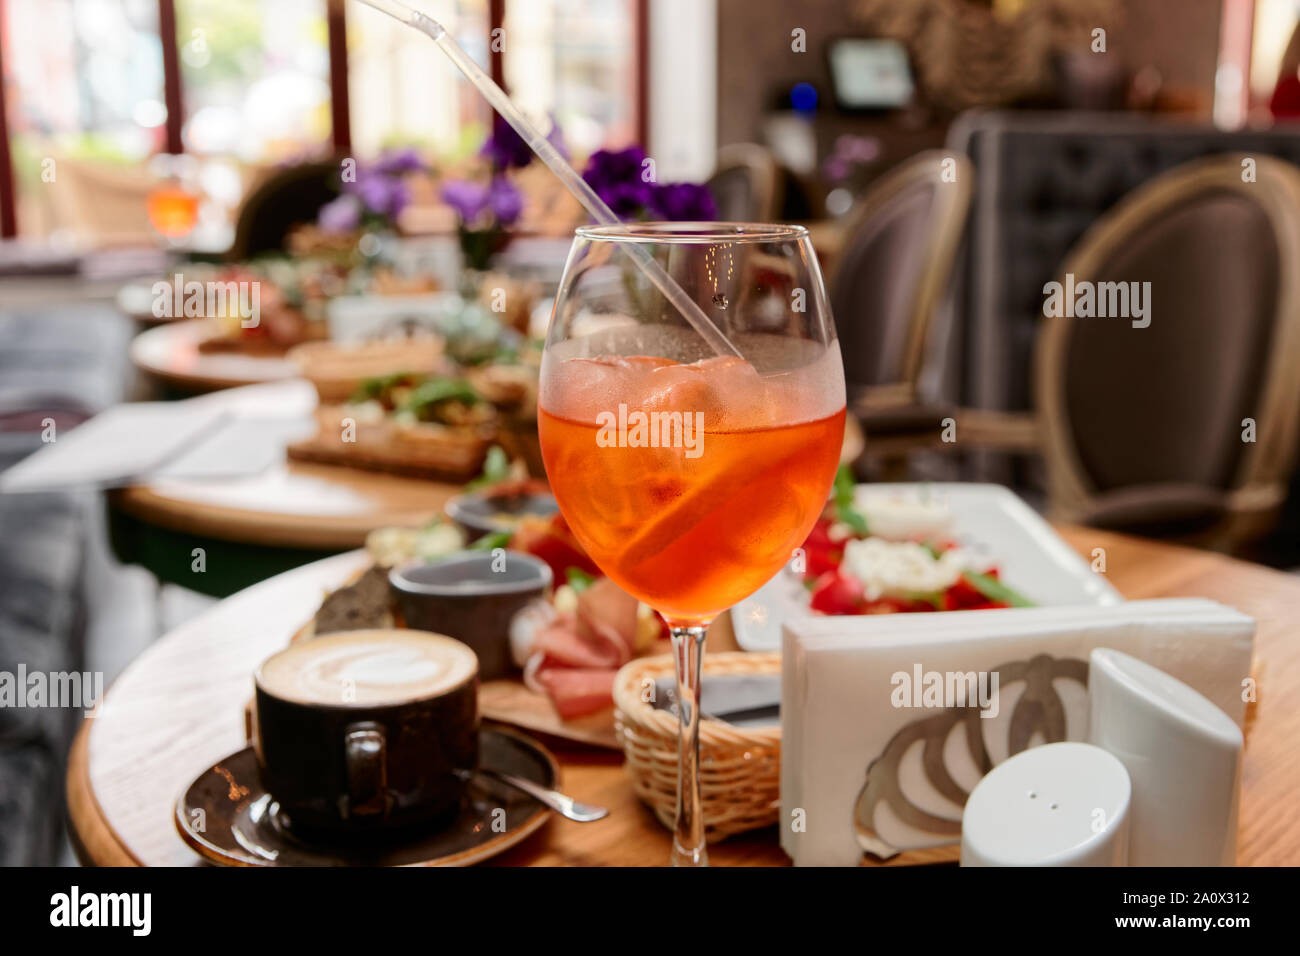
399 162
556 138
469 199
340 215
680 202
616 178
505 200
381 195
505 149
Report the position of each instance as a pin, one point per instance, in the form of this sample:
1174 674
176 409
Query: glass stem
688 835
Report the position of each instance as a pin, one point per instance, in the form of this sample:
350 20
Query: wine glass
690 477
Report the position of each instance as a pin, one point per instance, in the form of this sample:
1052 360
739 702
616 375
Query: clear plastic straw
548 154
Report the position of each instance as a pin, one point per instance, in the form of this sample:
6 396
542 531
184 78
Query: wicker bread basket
740 769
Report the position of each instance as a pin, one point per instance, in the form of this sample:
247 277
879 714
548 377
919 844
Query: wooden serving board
328 450
513 702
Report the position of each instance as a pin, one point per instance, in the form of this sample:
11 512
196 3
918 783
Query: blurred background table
170 354
251 528
177 709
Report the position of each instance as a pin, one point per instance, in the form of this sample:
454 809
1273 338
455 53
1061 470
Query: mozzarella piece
898 518
904 568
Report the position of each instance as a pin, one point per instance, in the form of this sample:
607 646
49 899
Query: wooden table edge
193 383
95 841
241 526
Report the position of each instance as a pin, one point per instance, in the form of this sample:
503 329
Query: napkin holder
872 763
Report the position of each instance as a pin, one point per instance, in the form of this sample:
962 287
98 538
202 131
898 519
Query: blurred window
1274 30
255 77
84 88
84 99
404 92
576 60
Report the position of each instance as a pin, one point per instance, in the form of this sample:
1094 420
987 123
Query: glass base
684 857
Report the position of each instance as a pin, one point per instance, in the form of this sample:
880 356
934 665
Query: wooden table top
293 504
282 504
177 709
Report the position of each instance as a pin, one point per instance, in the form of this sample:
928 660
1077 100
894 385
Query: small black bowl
472 596
485 512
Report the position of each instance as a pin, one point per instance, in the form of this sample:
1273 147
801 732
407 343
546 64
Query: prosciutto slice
578 691
574 657
607 615
565 644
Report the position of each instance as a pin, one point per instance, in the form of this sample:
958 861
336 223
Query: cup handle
365 751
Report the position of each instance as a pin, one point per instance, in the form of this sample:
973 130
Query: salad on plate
883 553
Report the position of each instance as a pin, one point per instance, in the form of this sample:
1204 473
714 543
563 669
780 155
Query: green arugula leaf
376 387
844 487
995 590
932 598
578 579
843 491
439 390
491 541
496 467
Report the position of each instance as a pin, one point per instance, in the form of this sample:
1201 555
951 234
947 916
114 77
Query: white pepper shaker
1182 753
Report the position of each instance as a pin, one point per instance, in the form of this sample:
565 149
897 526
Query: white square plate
988 519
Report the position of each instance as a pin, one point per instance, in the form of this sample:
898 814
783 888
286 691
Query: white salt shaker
1182 753
1064 804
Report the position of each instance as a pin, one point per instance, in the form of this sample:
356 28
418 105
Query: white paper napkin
240 431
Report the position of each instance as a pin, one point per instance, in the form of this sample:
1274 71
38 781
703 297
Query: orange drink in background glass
172 210
690 477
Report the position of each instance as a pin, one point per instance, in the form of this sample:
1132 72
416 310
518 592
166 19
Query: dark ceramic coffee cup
363 731
472 596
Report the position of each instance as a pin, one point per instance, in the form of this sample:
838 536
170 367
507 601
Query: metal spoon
565 806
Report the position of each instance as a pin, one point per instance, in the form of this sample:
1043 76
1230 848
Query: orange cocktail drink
688 484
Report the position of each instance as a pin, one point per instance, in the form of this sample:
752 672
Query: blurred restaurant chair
1144 428
1041 179
288 197
59 366
886 287
747 184
100 203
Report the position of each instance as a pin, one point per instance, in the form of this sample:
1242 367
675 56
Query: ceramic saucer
227 817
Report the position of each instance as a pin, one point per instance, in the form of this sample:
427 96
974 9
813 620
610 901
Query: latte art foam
368 668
